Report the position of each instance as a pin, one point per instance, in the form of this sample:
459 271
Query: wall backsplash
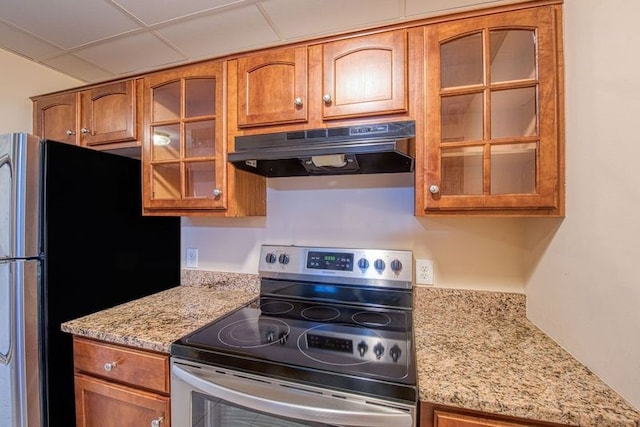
373 211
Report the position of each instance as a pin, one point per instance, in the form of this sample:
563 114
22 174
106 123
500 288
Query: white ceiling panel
76 67
225 32
439 7
294 19
25 44
131 53
67 23
171 9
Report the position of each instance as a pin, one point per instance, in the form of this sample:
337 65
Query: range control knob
379 265
362 348
283 259
378 350
363 264
396 266
270 258
395 352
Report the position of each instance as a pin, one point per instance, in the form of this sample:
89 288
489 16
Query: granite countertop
474 350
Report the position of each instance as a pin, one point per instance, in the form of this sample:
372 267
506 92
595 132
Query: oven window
208 411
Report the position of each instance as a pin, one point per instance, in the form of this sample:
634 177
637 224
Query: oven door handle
290 401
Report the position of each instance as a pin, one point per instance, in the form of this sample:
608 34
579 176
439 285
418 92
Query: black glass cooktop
340 345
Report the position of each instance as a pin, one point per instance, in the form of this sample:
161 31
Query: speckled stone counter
477 350
155 321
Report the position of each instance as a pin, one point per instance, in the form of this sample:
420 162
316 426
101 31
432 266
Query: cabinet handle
298 102
434 189
157 422
217 192
85 131
110 365
70 132
326 98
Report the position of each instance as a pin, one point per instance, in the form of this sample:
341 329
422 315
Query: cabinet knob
326 98
157 422
434 189
298 101
110 365
70 132
217 192
85 131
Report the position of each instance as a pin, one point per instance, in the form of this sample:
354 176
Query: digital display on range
329 343
330 261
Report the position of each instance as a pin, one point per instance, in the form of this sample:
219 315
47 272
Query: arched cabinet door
365 76
272 87
55 117
494 140
108 114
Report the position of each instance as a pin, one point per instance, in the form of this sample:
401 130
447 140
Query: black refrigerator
73 241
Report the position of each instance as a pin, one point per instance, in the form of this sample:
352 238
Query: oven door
207 396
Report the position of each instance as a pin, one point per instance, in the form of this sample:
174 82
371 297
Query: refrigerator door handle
5 160
5 358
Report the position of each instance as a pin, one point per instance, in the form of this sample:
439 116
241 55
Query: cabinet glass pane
461 62
166 181
166 143
461 171
200 97
513 113
200 179
513 168
462 117
513 55
166 102
200 138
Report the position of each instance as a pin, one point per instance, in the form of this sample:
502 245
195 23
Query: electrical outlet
192 258
424 271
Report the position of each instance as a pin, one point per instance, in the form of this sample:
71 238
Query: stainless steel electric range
329 342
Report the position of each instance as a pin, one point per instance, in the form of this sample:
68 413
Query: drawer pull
157 422
110 365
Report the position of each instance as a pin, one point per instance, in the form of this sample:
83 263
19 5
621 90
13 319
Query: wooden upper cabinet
56 117
356 77
494 125
99 117
108 113
272 87
365 76
183 154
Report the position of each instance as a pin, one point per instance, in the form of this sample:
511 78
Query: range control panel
372 266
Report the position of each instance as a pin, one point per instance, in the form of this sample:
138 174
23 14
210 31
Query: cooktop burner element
327 317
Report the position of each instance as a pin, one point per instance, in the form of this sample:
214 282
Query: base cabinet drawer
105 404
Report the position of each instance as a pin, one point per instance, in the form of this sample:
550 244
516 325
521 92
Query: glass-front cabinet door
493 132
183 156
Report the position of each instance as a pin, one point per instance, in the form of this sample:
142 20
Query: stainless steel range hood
363 149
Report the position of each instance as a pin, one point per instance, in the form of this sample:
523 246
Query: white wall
20 79
583 288
373 211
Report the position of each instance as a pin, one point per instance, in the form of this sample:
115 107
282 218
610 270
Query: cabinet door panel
104 404
365 76
272 88
55 118
494 141
108 113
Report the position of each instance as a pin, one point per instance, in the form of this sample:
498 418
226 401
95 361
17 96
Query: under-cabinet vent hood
363 149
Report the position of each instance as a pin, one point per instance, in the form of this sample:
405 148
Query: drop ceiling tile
437 7
216 34
309 17
25 44
127 54
67 23
76 67
171 9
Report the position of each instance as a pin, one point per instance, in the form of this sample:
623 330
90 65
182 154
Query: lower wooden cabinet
120 386
432 415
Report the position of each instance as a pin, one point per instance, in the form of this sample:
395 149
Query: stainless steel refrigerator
73 241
